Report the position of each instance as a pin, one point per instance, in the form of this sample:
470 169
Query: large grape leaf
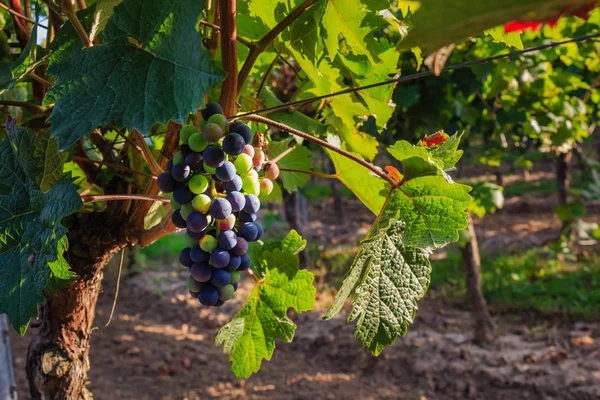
298 159
438 23
250 336
150 68
36 198
387 278
445 155
355 21
291 243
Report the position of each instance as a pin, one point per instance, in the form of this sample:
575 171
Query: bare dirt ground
160 344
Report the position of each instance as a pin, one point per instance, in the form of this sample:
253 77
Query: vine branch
22 104
229 60
246 42
283 154
69 10
261 45
120 197
322 143
312 173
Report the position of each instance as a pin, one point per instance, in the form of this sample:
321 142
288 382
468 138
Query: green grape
209 170
235 276
193 285
186 210
178 158
197 142
253 174
250 185
201 123
218 119
175 205
189 242
208 243
186 132
266 187
198 184
243 164
201 203
226 292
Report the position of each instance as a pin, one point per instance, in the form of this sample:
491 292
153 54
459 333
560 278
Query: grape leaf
438 23
292 243
250 336
388 278
30 223
292 118
355 20
298 159
512 39
141 74
368 187
445 155
156 213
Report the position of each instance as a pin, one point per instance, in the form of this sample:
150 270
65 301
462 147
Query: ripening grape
214 182
266 187
271 170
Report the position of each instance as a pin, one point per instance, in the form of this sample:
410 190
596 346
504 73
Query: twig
119 197
241 39
115 166
70 13
81 4
22 104
313 173
229 61
322 143
283 154
143 148
40 80
262 44
16 14
267 73
112 311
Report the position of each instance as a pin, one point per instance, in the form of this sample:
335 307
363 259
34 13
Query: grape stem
322 143
258 47
118 197
22 104
251 273
313 173
115 166
70 12
241 39
283 154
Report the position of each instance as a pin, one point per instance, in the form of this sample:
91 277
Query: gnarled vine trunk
58 356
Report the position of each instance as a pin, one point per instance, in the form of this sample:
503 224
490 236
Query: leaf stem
262 44
246 42
283 154
229 61
22 104
78 27
313 173
119 197
111 165
322 143
266 75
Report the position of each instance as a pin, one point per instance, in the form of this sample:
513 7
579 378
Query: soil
160 344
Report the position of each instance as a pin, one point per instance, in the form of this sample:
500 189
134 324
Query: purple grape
219 303
210 110
198 255
248 231
261 231
226 172
181 173
233 144
195 235
235 286
185 150
178 220
234 185
234 262
208 296
243 130
237 201
219 258
213 156
184 257
245 262
166 183
241 247
183 195
194 160
192 294
227 240
220 208
196 222
220 278
245 217
252 204
169 165
201 271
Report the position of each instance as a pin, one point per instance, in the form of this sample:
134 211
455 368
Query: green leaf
438 23
387 279
155 215
292 118
292 243
445 155
355 21
432 208
357 142
368 187
298 159
487 198
140 75
250 336
512 39
30 223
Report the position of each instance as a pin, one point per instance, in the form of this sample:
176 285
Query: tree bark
58 356
484 326
562 177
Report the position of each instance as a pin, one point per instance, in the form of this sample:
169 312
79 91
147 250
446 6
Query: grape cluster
215 184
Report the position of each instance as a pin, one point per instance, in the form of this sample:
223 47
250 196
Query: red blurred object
393 173
435 139
16 6
581 11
